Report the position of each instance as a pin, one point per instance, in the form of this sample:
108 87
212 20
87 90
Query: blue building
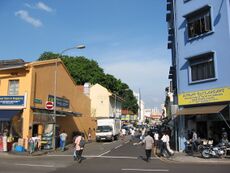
199 39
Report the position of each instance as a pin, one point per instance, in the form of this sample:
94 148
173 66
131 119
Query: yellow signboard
205 96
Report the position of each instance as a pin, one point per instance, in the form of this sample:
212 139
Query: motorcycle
191 149
218 151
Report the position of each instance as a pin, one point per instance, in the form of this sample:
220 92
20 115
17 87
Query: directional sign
49 105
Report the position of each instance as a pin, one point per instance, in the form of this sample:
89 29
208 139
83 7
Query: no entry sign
49 105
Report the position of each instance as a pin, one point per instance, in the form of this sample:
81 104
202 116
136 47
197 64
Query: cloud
150 76
24 15
40 6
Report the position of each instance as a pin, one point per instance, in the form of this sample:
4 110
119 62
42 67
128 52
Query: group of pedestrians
152 141
78 142
159 144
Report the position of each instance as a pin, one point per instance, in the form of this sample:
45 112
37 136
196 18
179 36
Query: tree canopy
84 70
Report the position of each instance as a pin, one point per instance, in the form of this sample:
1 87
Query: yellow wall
100 102
25 81
37 81
66 88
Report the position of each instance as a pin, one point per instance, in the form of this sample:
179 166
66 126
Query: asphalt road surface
115 157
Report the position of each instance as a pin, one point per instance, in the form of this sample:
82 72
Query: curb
196 160
27 154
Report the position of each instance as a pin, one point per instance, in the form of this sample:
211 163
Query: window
199 22
202 67
13 87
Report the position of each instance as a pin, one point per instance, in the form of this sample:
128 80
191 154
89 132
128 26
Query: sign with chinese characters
204 96
12 100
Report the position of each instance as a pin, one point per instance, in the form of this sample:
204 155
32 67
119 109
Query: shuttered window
13 87
202 67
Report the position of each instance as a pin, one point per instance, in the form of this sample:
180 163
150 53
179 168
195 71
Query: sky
128 38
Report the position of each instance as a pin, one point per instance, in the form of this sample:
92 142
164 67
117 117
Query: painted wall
100 103
217 41
37 81
25 82
66 88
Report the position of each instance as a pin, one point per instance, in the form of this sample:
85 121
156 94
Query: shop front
207 121
11 109
44 127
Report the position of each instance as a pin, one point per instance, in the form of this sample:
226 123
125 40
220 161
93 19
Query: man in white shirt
156 143
63 137
148 141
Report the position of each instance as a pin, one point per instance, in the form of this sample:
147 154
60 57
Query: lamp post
115 104
55 89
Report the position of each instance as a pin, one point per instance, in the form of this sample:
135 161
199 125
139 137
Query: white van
108 129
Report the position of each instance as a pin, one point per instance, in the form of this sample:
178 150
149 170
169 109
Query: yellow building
26 88
104 104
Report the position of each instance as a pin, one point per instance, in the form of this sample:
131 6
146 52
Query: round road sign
49 105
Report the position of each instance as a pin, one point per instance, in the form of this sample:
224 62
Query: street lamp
81 46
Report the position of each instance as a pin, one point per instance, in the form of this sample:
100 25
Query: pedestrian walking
166 147
156 143
63 137
132 134
148 142
90 135
79 147
31 145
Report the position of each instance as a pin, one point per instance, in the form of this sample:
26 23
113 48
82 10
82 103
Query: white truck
108 129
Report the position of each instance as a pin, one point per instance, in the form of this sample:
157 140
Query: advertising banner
205 96
60 102
12 100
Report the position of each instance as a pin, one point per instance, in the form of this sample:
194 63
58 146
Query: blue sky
128 38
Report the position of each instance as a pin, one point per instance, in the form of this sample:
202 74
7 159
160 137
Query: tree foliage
84 70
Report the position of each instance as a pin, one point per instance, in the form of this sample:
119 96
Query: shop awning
59 113
201 110
6 115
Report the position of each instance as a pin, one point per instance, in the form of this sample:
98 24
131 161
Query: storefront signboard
12 100
60 102
38 101
205 96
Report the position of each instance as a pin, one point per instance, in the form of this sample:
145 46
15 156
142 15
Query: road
115 157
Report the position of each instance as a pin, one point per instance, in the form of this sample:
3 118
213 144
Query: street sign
49 105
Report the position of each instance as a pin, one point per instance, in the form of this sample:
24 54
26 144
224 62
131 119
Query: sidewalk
184 158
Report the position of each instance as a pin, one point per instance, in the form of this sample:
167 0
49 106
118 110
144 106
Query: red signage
49 105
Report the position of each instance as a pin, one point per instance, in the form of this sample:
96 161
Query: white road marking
105 153
107 143
32 165
118 157
146 170
118 146
101 156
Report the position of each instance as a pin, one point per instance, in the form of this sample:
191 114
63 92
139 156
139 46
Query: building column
181 133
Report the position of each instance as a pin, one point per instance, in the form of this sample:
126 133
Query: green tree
84 70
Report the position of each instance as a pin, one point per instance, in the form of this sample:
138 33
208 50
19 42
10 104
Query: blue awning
6 115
